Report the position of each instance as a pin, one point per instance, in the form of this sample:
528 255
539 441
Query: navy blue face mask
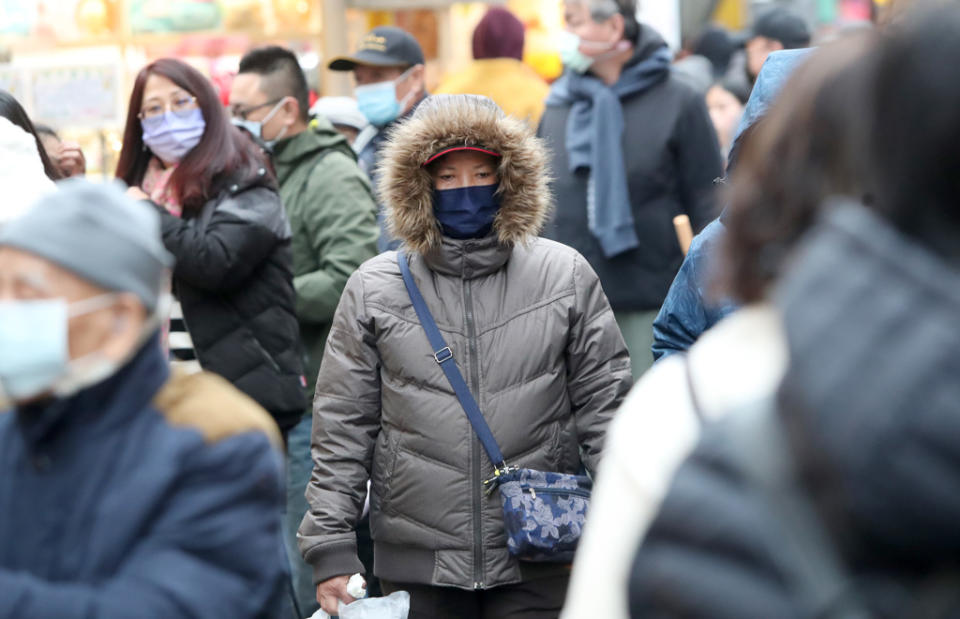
467 212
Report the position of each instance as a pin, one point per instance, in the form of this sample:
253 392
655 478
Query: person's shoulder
331 169
377 276
384 263
742 358
656 406
207 404
546 252
707 240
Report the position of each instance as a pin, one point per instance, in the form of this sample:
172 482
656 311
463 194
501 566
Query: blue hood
773 75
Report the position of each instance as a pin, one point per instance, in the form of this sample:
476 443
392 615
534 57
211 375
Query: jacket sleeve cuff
333 561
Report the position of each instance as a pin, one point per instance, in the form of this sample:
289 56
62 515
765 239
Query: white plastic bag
394 606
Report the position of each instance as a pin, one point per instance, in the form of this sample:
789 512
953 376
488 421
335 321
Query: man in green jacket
333 216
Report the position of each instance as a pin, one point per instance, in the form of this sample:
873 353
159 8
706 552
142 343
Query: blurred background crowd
713 241
70 62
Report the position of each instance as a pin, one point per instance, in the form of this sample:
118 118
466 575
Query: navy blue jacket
141 497
689 310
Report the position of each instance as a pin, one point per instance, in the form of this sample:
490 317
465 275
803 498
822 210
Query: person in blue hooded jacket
125 492
689 308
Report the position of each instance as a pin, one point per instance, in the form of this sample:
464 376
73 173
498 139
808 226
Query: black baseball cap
385 46
784 26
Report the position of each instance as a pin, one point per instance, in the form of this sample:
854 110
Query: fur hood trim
444 121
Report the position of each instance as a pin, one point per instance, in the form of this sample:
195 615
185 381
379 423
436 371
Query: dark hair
46 130
716 45
602 10
222 154
914 129
739 90
11 109
282 75
806 149
631 27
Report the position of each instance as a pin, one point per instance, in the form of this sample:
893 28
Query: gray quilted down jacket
532 332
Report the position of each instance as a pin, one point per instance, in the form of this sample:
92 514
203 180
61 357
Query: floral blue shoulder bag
543 513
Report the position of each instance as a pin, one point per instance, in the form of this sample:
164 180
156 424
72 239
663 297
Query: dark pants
536 599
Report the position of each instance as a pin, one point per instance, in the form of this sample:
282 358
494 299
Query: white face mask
255 127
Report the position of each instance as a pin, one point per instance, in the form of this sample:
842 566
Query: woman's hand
70 159
136 193
333 591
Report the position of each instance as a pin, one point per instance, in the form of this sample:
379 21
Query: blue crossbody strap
444 358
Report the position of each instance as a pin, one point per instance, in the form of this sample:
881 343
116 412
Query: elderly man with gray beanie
125 492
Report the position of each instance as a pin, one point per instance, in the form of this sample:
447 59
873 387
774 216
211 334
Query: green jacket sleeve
340 217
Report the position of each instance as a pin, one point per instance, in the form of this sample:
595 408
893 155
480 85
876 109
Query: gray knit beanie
98 233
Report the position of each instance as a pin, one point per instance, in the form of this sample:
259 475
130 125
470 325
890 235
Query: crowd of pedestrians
412 335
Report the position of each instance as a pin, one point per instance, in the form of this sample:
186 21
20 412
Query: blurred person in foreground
345 116
390 76
527 322
11 109
799 154
498 71
632 147
222 219
126 492
333 219
22 175
67 156
861 519
692 306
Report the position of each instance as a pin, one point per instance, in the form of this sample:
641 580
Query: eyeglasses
241 112
181 106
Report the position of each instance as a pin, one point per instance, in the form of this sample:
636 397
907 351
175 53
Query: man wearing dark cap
774 29
125 492
389 72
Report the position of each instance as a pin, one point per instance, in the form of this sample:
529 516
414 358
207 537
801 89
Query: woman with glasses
223 220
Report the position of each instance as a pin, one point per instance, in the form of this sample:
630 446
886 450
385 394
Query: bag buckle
499 471
443 355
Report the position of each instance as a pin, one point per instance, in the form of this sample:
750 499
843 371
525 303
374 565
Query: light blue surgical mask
570 54
379 102
255 127
34 351
569 46
171 136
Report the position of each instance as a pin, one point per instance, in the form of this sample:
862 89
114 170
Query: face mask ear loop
91 304
276 107
411 94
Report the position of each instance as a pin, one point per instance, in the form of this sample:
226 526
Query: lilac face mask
172 136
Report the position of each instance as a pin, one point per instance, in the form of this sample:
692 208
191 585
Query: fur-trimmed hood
443 121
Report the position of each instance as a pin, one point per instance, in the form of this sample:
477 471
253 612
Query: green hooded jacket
333 216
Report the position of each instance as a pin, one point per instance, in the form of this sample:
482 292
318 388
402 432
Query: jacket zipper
475 442
534 491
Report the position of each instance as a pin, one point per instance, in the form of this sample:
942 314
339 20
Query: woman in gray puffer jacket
530 329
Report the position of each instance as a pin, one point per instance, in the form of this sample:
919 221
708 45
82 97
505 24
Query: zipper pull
533 493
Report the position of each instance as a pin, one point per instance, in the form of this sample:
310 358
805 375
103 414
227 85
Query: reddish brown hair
224 152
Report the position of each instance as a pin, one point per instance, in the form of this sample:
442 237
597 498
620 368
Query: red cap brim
453 149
